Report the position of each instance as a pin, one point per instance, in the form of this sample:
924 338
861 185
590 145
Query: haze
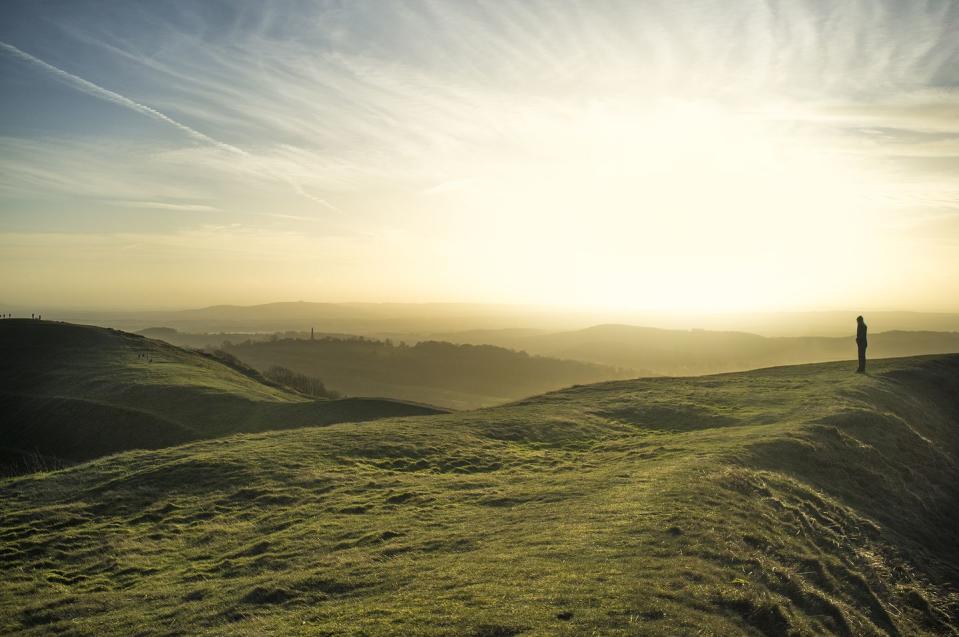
662 156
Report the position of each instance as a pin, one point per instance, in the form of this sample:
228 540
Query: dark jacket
861 334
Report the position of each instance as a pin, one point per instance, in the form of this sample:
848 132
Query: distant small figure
861 344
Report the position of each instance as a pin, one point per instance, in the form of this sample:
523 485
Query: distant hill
351 318
802 500
457 376
692 352
431 321
71 392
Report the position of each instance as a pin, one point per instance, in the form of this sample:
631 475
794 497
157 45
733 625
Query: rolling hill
691 352
72 392
787 501
455 376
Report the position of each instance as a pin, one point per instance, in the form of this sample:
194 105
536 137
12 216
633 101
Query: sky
682 156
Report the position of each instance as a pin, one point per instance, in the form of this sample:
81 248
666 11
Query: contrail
98 91
106 94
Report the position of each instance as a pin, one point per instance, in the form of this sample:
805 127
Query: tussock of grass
800 500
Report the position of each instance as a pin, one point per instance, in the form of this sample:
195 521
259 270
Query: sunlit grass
804 499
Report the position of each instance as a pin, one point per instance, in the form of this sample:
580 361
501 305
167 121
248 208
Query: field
796 500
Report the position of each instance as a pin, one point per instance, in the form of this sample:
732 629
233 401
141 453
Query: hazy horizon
620 156
494 324
173 306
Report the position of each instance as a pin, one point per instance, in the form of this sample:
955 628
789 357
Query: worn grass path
795 500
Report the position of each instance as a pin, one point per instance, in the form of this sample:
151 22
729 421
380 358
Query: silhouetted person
861 343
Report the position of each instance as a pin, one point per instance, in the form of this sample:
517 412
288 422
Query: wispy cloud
111 96
277 215
407 96
85 168
166 205
447 78
98 91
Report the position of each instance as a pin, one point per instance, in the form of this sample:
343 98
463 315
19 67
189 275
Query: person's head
859 319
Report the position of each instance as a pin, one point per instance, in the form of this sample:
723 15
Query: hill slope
799 500
72 392
456 376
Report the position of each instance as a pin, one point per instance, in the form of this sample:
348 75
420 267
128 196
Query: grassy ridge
799 500
73 392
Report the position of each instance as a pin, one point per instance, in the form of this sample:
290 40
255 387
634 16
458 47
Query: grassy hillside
683 352
800 500
72 392
456 376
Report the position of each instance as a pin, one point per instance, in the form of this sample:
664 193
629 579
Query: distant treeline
212 341
440 373
275 376
300 382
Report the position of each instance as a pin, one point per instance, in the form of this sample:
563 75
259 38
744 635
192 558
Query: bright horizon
716 157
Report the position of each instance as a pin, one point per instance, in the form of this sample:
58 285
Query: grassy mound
74 392
799 500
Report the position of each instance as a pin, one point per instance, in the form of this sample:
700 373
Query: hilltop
797 500
445 374
73 392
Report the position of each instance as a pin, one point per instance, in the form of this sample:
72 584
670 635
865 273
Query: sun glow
683 204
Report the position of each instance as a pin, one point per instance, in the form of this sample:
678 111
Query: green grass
73 392
798 500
